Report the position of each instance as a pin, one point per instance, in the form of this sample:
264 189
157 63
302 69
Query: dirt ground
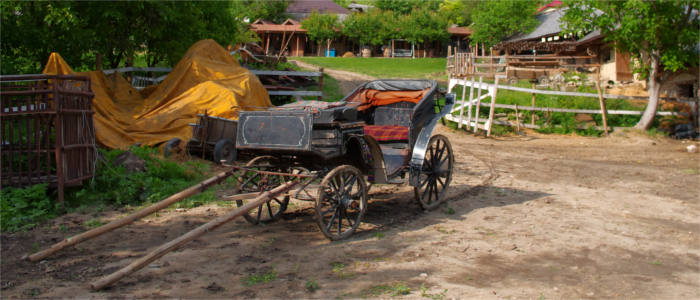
528 217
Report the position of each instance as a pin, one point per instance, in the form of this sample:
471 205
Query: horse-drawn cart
380 133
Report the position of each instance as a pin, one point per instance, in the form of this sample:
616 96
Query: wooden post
492 110
296 50
98 61
603 109
471 98
267 46
196 189
461 108
193 234
282 44
478 105
59 145
320 84
532 112
392 48
517 119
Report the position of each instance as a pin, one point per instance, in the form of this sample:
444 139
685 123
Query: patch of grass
657 262
379 235
339 270
311 286
395 289
691 171
92 223
424 293
450 211
444 230
254 279
379 67
24 208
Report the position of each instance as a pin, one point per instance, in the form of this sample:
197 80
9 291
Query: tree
372 28
321 27
496 20
423 26
661 35
405 7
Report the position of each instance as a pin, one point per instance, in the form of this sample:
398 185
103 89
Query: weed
339 269
691 171
541 297
62 228
254 279
311 286
439 296
657 262
396 289
379 235
24 208
35 247
450 211
444 230
92 223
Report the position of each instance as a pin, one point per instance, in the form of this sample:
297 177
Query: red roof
555 3
276 28
460 30
322 6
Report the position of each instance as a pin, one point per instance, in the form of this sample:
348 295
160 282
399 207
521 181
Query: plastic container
330 53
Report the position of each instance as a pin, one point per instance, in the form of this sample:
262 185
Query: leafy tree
407 6
118 30
661 35
320 28
424 26
497 20
373 28
272 10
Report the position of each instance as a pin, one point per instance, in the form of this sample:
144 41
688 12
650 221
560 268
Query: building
301 9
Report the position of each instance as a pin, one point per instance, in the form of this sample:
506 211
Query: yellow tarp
206 78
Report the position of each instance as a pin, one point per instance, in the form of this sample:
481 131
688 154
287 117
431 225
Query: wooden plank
602 102
198 188
461 108
471 98
583 111
492 110
191 235
478 104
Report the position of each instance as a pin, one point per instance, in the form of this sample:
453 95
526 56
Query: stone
130 162
692 149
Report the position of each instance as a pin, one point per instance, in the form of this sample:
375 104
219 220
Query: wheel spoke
340 220
269 209
435 189
440 181
330 222
260 208
427 178
427 190
348 188
350 223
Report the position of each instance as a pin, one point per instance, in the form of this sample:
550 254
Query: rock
692 149
130 162
213 287
423 275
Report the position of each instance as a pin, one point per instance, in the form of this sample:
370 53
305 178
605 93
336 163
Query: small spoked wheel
436 173
273 209
341 202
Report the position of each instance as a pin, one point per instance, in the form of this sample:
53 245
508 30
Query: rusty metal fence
47 131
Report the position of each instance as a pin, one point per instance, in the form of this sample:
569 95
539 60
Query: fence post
492 110
532 112
60 174
461 108
517 119
471 98
603 109
320 84
478 105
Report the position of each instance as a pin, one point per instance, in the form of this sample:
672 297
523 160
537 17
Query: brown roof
460 30
322 6
288 25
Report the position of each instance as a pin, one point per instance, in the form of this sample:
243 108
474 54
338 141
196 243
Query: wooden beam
193 234
492 110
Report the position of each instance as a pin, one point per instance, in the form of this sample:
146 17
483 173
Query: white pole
471 98
478 104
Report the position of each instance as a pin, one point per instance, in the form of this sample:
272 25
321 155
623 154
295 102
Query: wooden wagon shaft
174 244
198 188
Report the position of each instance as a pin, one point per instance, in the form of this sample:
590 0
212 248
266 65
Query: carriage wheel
273 209
341 202
436 173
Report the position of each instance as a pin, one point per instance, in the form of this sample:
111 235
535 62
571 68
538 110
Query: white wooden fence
475 122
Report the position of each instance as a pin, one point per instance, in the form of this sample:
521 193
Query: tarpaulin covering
206 78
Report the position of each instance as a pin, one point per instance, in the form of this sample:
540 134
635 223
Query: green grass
432 68
254 279
396 289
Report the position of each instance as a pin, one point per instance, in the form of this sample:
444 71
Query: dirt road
534 217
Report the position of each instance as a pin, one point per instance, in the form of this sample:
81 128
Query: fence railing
475 122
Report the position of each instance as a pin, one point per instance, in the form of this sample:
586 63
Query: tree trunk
654 89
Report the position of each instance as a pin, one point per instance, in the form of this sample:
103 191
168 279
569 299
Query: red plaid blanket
385 133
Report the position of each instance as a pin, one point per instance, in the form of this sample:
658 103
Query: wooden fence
474 122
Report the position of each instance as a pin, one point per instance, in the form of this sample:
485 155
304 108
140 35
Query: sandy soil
533 217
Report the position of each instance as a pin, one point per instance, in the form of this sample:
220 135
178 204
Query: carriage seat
390 124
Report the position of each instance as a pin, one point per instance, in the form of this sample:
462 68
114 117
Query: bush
23 208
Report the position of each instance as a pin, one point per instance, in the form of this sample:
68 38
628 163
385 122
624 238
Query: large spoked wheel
273 209
341 202
436 173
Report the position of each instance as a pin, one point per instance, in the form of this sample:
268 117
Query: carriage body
379 133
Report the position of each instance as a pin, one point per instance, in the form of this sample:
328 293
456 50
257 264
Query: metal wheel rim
436 173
